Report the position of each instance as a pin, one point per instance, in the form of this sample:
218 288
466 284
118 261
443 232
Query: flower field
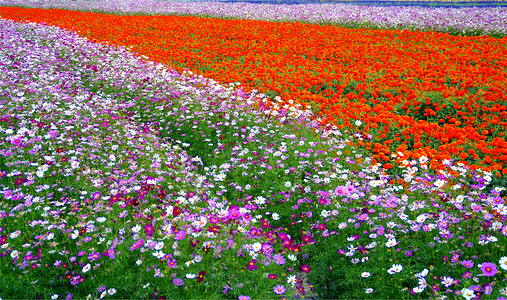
191 150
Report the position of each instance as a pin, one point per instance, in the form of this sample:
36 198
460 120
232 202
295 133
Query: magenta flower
149 229
305 268
171 263
137 245
251 265
19 181
16 141
489 269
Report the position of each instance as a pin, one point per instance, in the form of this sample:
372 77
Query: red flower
19 181
176 211
200 277
214 229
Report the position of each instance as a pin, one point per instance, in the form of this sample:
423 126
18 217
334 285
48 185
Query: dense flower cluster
484 20
406 94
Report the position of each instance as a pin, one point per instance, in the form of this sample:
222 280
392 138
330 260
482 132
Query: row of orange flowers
417 93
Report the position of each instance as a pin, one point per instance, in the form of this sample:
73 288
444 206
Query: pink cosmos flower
137 244
489 269
279 289
16 141
180 235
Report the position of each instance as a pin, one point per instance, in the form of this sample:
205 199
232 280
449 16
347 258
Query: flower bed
415 94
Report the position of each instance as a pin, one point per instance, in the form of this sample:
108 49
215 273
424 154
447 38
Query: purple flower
467 264
251 265
178 282
279 259
279 289
137 245
241 297
489 269
455 258
488 289
94 256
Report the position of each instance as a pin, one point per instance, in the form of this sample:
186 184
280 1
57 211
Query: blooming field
121 177
416 94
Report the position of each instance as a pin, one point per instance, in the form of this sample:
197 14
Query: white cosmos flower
467 293
391 243
136 228
422 274
256 247
422 283
87 268
503 263
159 245
365 274
421 218
397 268
439 183
74 164
159 254
259 200
190 276
291 280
